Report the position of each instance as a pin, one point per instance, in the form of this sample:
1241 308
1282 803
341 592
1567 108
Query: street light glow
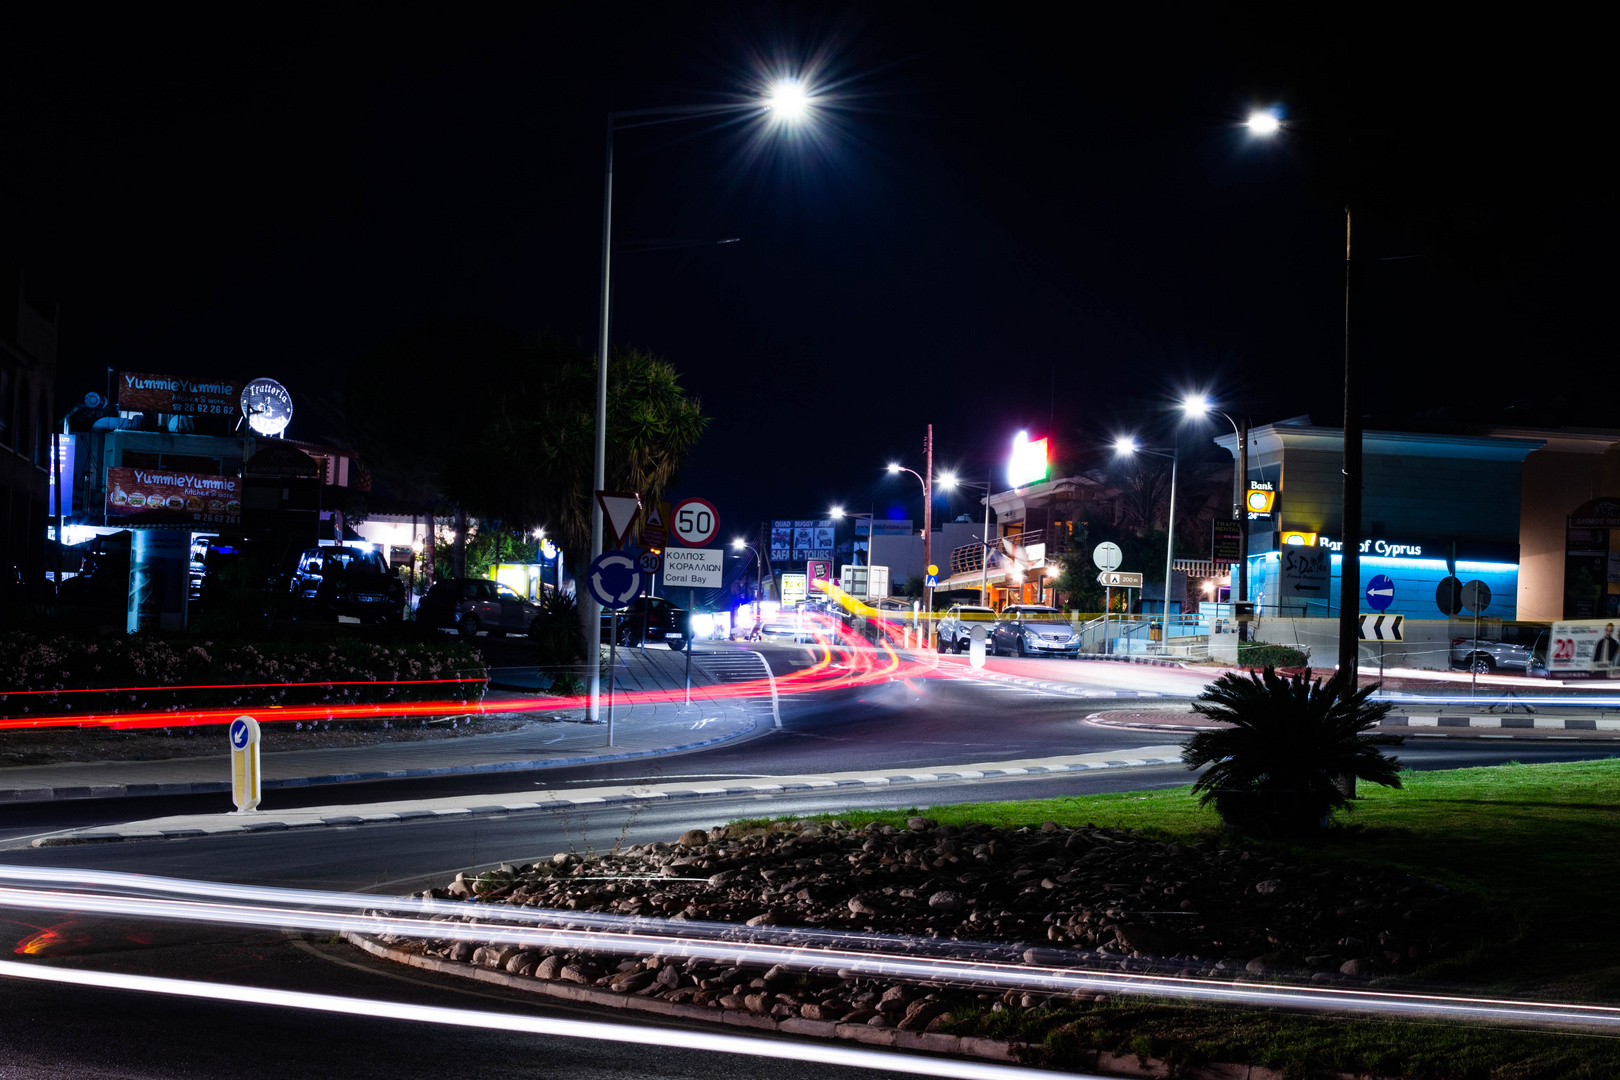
738 544
1263 122
837 512
1124 445
946 480
1195 405
894 467
788 99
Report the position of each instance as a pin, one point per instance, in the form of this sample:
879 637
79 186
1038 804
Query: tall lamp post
787 102
895 468
1197 406
1125 447
950 481
740 545
1267 124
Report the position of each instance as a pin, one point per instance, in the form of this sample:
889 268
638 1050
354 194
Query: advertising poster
139 392
793 589
137 497
781 540
1584 649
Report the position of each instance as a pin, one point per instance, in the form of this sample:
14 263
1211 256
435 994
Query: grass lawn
1540 846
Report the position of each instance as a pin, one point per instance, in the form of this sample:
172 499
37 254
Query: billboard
781 541
793 589
1584 649
139 392
1028 462
137 497
1226 540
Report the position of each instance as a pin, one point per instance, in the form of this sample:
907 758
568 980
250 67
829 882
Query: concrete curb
20 796
1416 726
232 824
1102 1061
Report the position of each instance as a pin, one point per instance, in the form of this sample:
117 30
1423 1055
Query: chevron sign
1382 627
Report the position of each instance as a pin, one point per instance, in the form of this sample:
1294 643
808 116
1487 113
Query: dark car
652 618
337 581
469 605
1034 630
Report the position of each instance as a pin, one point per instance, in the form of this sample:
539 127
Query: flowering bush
141 673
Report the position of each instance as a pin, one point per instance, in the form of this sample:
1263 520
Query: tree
1274 771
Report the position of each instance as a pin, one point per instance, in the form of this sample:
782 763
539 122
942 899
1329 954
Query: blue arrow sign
239 734
1380 592
614 579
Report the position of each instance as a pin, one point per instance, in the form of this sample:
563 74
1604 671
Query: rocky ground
1104 898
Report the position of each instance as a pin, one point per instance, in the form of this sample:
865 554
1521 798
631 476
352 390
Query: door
513 610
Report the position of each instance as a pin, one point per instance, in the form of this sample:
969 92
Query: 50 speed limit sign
694 522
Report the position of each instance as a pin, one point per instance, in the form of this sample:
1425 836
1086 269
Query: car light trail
531 1025
866 963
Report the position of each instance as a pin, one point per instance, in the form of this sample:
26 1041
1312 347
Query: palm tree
1274 771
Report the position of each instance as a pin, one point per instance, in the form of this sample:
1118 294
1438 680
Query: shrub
1260 654
1273 771
556 631
135 673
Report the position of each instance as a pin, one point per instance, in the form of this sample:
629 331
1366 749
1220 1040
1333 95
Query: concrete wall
1555 483
1427 644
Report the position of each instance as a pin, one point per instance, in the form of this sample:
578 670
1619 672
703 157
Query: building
1486 503
27 418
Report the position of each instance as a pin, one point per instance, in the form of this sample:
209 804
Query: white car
956 627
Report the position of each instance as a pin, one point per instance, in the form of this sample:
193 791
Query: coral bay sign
695 568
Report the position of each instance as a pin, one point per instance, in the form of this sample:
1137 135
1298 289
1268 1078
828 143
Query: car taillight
1459 641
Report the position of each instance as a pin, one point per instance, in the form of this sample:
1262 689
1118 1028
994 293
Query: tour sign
614 579
694 522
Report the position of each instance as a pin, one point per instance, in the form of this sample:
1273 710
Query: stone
522 962
461 951
920 1013
549 968
758 1003
1269 963
916 824
1270 887
693 838
563 858
947 900
860 905
826 1011
580 972
733 1001
669 975
1357 968
879 1021
767 919
860 1016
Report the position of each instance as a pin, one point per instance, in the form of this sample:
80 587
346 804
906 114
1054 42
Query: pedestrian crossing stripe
1382 627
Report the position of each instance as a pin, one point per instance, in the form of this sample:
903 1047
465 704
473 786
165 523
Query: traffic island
1413 894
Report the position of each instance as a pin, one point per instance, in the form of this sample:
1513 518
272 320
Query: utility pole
1243 518
928 529
1350 515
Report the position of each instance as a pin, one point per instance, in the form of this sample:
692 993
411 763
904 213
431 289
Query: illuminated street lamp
1126 446
1263 122
1196 406
786 102
950 481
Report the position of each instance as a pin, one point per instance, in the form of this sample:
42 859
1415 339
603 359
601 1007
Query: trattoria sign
139 392
154 497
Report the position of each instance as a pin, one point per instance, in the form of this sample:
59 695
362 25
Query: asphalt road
55 1031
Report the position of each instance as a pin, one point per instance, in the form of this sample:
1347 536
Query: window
506 592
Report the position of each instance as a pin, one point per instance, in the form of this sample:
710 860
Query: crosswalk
741 666
1013 684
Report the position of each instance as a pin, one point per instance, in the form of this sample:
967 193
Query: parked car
344 580
956 627
1033 630
470 605
1523 647
654 619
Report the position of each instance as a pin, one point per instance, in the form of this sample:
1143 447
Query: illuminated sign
1386 548
267 407
1028 462
154 497
1299 539
138 392
1261 498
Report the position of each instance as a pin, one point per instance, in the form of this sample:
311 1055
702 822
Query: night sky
1003 217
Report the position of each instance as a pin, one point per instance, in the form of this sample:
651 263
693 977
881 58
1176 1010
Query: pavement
190 825
550 741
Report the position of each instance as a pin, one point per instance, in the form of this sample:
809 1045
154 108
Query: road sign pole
613 657
1108 606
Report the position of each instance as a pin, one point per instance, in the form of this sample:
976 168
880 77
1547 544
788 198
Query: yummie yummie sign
153 497
140 392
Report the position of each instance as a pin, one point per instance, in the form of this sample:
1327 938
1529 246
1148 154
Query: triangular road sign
619 510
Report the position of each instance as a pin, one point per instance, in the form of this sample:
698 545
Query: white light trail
865 963
532 1025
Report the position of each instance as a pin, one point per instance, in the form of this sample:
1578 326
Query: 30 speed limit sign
694 522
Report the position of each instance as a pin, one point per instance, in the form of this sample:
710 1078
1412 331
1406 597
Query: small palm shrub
556 632
1274 771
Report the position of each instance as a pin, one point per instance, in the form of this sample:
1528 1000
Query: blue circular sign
614 579
239 734
1380 592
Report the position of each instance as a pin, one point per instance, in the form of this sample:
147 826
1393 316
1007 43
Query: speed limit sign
694 522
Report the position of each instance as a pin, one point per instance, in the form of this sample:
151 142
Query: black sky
994 196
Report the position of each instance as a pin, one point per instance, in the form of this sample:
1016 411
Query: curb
22 796
1122 1065
232 825
1450 724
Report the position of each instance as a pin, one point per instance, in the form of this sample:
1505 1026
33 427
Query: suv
652 618
342 580
468 605
1034 630
956 628
1523 647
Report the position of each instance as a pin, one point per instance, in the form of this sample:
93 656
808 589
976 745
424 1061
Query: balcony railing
969 558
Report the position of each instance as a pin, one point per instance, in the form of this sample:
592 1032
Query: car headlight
1030 635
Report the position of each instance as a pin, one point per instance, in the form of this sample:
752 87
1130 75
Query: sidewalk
639 731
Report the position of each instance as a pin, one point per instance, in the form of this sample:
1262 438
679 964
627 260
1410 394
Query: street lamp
1350 467
786 102
950 481
895 468
1196 406
1126 446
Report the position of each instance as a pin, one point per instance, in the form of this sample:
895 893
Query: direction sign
1476 596
1115 579
244 734
1306 574
694 522
1448 596
650 563
619 513
1382 627
1107 556
1380 592
695 568
614 579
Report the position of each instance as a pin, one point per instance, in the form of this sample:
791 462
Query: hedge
134 673
1260 654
